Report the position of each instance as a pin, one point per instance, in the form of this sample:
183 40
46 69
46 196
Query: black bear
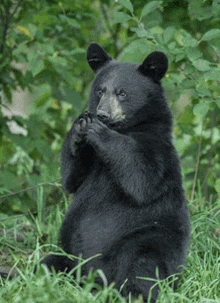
119 161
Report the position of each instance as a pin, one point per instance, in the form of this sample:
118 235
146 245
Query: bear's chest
98 231
101 215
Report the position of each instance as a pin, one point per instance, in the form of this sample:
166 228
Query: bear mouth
111 123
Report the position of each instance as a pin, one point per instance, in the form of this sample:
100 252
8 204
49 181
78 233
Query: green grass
200 281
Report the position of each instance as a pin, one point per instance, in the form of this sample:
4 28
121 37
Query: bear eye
99 93
121 93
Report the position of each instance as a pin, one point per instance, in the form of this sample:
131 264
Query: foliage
42 49
48 42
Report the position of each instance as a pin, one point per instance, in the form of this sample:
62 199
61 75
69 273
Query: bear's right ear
96 56
154 66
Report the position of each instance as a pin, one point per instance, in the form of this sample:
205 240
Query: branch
210 155
15 10
5 19
113 33
197 165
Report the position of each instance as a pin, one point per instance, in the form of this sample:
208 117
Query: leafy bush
42 50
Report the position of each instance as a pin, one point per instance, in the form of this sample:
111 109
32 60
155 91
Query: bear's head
124 95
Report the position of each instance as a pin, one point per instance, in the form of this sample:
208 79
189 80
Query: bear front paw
79 130
97 132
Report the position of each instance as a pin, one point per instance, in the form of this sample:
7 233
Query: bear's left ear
155 66
96 56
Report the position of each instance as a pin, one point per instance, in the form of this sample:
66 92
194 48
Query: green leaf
71 96
120 17
202 65
36 69
180 57
8 93
58 63
127 4
43 18
44 97
70 21
216 7
190 42
150 7
44 148
9 181
217 186
201 109
47 48
141 32
193 54
203 91
218 102
212 74
198 10
135 52
168 34
187 117
211 34
36 64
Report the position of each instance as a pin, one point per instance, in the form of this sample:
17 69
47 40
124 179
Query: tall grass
200 281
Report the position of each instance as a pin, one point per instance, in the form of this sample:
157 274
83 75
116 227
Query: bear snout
103 115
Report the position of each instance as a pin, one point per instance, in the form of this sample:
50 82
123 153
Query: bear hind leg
149 266
59 263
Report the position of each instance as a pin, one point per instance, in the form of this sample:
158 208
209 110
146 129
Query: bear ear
155 66
96 56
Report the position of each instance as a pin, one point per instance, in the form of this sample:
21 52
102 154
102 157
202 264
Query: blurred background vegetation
45 82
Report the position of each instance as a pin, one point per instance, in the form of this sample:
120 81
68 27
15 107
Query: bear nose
102 115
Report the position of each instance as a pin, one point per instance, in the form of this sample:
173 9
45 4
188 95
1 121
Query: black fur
155 66
129 203
96 57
